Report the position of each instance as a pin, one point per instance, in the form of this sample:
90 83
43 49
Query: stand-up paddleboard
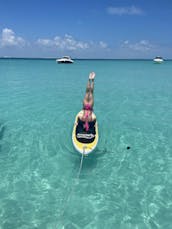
85 142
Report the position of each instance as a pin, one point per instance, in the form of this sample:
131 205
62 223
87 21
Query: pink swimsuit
87 108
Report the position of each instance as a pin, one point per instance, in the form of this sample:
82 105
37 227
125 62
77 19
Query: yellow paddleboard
85 142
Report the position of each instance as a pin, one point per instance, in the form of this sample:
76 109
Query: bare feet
92 75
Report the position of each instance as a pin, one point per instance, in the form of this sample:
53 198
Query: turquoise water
40 184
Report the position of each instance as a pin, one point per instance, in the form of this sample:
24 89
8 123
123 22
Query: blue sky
86 29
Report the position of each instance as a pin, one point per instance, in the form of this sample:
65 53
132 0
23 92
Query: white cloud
132 10
8 38
45 42
142 45
103 44
69 43
66 42
126 42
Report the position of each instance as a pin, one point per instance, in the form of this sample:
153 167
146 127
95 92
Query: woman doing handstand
88 103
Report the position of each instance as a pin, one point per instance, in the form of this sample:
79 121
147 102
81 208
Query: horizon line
54 58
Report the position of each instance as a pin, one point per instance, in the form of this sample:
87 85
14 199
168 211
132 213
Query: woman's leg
91 77
88 88
90 84
89 97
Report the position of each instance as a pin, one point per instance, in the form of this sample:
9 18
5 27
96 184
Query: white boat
65 60
158 59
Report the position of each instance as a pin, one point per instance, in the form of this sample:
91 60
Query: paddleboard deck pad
85 142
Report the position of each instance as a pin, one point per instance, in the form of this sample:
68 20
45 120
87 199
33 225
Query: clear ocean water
117 188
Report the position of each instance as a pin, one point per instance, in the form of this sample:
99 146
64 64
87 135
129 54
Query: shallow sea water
41 186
